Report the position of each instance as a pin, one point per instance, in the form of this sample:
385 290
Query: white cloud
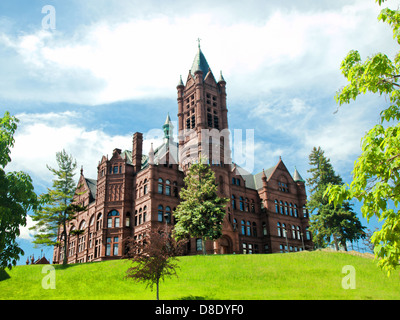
24 232
140 57
40 136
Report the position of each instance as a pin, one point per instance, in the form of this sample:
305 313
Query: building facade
135 191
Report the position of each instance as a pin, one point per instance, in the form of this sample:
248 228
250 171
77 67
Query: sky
85 75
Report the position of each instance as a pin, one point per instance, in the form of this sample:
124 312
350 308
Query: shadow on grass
4 275
194 298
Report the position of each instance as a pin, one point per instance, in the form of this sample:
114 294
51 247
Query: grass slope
302 275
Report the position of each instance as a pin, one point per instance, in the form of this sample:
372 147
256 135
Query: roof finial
198 41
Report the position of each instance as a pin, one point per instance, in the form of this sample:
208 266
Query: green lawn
301 275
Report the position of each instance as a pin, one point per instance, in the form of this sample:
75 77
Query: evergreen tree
17 196
201 211
340 222
59 208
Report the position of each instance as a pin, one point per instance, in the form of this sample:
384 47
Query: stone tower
202 116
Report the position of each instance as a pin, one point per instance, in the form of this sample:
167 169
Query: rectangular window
244 248
115 249
109 222
199 245
115 169
117 222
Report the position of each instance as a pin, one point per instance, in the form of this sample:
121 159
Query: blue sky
110 68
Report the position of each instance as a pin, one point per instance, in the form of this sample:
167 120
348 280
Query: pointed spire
297 177
221 77
82 170
200 63
180 84
168 120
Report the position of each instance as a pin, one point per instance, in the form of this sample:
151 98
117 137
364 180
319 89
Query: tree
201 211
376 173
59 208
17 196
340 222
154 257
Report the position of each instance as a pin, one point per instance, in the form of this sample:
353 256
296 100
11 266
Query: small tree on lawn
201 211
154 257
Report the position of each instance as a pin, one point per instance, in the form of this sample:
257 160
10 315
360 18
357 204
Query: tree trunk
203 245
157 283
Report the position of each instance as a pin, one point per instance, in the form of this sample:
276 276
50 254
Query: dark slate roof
92 184
253 181
200 63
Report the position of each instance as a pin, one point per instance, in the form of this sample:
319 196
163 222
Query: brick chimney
137 151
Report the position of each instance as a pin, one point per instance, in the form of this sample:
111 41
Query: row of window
289 209
244 204
166 188
295 231
284 248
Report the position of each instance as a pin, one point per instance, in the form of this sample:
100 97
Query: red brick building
134 191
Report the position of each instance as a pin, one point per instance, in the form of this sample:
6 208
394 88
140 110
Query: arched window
293 232
144 214
246 204
235 224
264 228
243 227
82 226
160 186
175 189
286 208
113 215
254 229
241 205
279 229
284 234
305 212
252 206
168 214
167 187
282 208
298 232
145 187
276 206
308 234
296 211
140 216
98 222
233 202
291 209
160 213
91 221
248 228
128 219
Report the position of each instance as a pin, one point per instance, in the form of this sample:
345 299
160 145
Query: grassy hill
301 275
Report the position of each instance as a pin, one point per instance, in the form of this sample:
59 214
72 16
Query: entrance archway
225 245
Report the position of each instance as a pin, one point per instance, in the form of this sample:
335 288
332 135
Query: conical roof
200 63
297 177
